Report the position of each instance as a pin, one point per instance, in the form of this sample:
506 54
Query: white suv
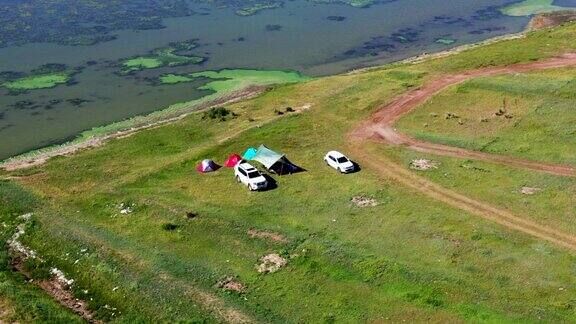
247 174
339 161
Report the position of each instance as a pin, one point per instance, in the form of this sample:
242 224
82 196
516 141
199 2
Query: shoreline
39 156
99 135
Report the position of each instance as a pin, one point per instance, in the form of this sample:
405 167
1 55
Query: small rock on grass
529 191
362 201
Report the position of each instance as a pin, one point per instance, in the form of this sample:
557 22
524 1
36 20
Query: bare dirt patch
271 263
231 284
529 191
275 237
423 165
362 201
547 20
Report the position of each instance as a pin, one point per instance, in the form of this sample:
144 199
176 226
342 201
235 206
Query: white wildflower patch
126 209
18 247
61 277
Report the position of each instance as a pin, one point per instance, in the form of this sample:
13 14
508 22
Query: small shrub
169 226
218 113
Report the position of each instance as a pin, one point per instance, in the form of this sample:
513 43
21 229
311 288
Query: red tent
233 160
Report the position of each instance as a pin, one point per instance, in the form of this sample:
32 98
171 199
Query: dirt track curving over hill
380 128
381 125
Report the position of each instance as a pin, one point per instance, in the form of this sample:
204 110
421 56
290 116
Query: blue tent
250 153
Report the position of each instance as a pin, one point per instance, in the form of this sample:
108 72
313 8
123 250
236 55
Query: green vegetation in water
174 78
531 7
38 82
70 22
229 80
176 54
225 82
353 3
256 8
445 41
46 76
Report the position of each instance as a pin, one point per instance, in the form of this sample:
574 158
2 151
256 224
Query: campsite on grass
273 162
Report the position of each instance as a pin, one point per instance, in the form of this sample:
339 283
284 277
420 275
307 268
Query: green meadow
407 258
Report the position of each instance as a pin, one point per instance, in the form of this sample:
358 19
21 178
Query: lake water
306 41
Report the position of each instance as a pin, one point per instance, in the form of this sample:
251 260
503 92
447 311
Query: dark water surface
315 39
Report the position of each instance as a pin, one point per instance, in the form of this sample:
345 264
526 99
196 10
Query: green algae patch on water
531 7
159 58
174 78
38 82
140 63
256 8
352 3
236 79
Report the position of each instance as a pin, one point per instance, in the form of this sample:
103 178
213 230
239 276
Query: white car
250 176
339 162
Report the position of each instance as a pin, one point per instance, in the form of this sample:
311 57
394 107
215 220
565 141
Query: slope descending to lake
122 78
147 238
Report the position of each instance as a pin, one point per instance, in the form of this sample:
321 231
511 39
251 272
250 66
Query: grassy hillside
407 258
20 301
528 115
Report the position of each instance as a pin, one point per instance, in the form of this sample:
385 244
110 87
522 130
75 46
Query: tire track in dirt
379 128
402 175
381 124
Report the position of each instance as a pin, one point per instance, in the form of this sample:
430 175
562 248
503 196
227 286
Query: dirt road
380 128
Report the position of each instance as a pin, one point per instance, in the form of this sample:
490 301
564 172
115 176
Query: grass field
525 115
409 258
